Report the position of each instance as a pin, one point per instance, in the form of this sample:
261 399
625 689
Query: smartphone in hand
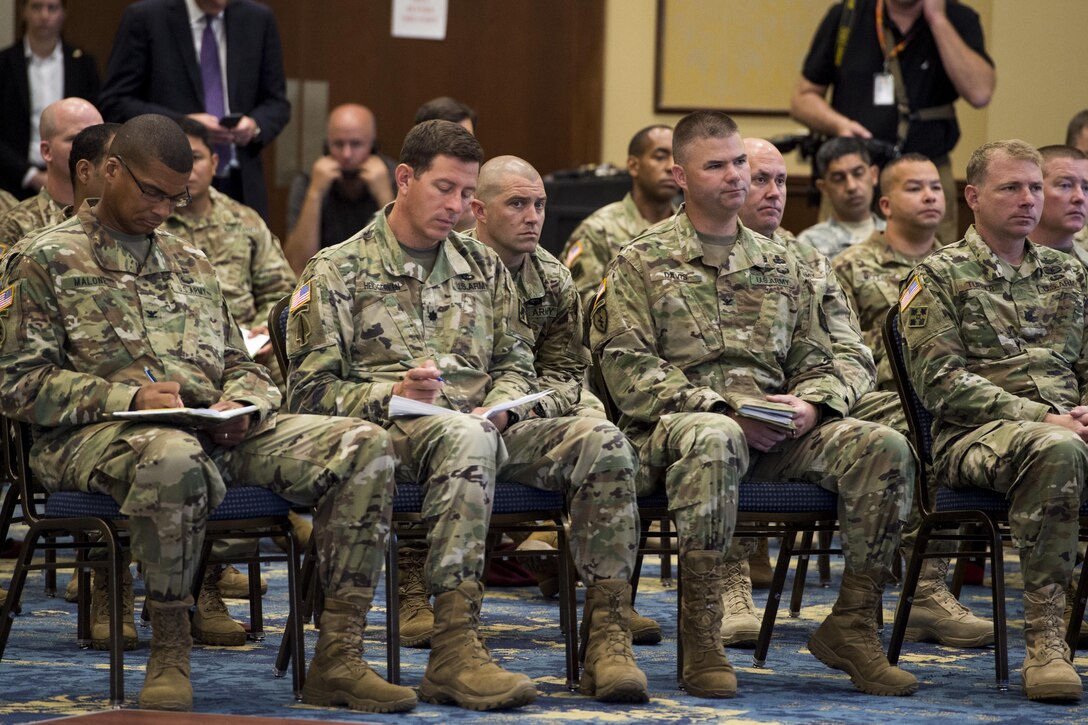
231 120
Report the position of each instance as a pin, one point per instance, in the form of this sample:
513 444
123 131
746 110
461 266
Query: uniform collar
113 257
746 254
449 263
992 265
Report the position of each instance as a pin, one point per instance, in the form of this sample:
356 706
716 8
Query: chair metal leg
294 622
15 591
117 638
997 588
568 608
7 511
774 596
906 597
256 612
288 646
823 561
799 574
1076 621
392 610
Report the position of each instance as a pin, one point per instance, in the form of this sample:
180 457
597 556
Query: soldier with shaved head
587 458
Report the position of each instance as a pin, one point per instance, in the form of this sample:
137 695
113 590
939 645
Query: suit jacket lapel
22 85
182 35
234 32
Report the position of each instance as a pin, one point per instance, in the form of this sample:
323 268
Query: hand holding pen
422 383
157 395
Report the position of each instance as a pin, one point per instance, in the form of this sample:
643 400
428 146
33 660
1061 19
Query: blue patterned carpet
45 675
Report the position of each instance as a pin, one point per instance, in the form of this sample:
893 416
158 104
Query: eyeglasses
156 196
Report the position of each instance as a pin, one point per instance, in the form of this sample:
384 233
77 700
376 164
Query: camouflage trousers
588 406
871 467
459 458
1041 469
167 479
885 408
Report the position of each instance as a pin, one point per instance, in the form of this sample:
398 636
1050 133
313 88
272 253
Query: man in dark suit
160 64
34 72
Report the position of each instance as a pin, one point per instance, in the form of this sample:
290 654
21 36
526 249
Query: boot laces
413 588
738 591
617 636
1051 640
170 631
705 612
210 598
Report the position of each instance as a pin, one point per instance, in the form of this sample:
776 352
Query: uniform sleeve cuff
120 398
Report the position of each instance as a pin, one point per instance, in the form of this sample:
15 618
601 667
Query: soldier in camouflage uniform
998 351
603 233
408 307
699 317
61 122
595 465
6 201
870 272
91 305
1065 202
846 176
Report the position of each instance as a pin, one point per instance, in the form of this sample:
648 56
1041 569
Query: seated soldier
101 303
699 318
846 176
996 339
408 307
509 212
602 234
912 201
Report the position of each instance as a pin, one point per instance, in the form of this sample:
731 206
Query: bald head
60 123
350 136
494 173
766 201
509 208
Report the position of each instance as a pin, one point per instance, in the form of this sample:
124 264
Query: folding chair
515 509
942 513
247 512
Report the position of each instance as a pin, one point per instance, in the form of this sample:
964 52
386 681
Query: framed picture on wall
739 57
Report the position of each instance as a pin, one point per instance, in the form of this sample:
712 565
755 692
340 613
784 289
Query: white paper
255 343
423 19
401 407
193 415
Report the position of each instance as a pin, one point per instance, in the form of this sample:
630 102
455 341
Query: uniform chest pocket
1057 323
762 319
187 323
113 338
379 335
686 332
986 326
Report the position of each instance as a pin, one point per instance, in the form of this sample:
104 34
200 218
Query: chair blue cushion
776 497
510 498
247 502
971 499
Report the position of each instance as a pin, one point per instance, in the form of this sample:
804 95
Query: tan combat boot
166 683
740 624
847 640
100 609
211 620
937 616
610 674
460 669
760 571
1048 670
1070 600
416 614
235 585
707 672
338 673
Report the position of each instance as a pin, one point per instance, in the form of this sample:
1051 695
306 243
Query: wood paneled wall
533 70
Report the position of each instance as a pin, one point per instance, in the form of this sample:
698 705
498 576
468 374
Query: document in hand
401 407
779 415
255 343
191 417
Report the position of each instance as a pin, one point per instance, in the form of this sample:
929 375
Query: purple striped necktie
211 73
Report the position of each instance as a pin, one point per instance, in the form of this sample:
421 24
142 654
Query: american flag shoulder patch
300 297
912 290
7 297
575 251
